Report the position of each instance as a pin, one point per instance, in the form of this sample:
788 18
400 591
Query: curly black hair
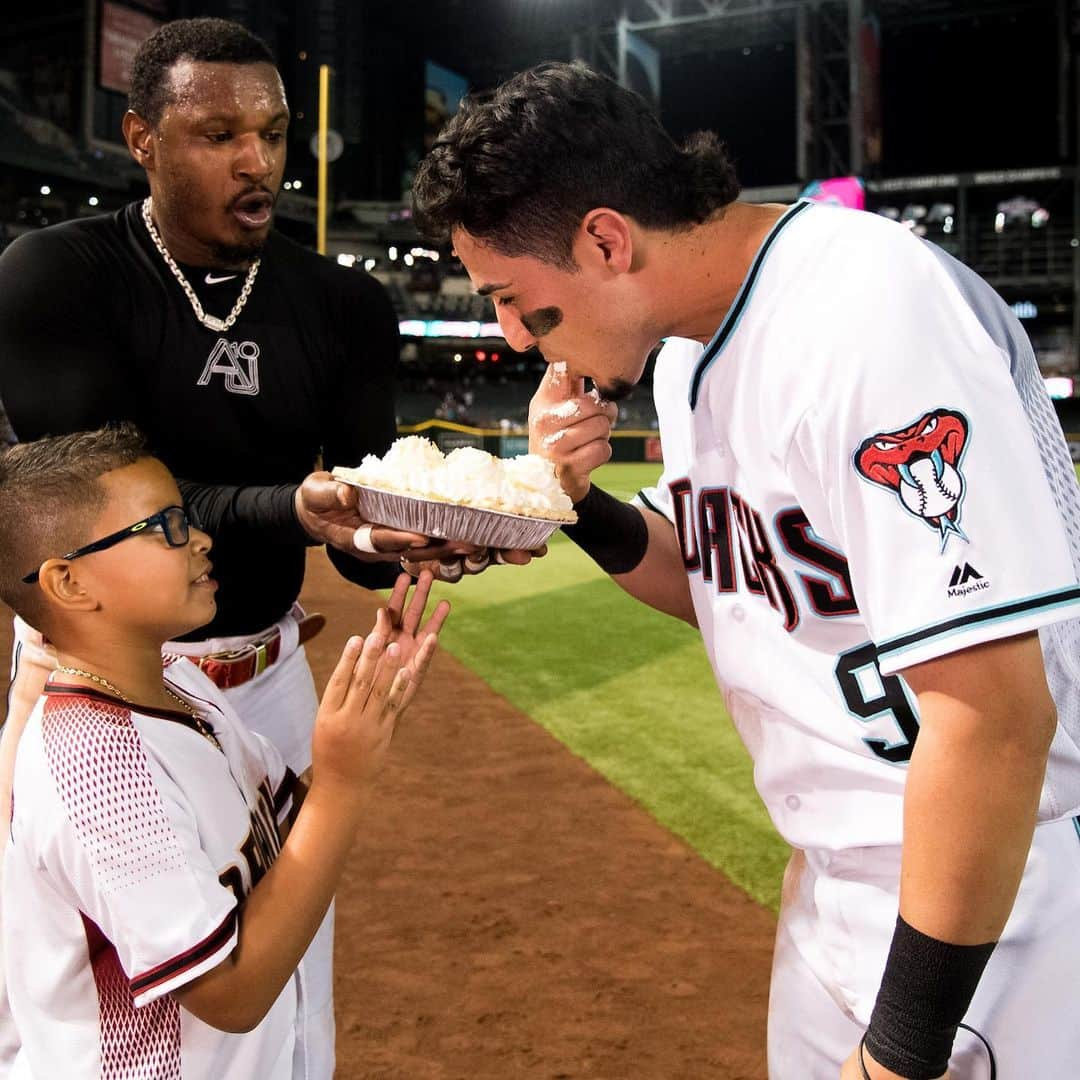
215 41
520 166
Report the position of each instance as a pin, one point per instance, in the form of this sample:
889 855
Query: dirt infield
507 913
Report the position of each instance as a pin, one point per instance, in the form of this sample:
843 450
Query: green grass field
625 688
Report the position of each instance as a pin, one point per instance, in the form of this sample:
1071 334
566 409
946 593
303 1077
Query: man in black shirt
244 357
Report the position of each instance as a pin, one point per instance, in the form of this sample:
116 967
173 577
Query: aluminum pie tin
450 521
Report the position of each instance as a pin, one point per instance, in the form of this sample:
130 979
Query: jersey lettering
259 849
714 511
707 541
868 695
225 359
832 596
682 499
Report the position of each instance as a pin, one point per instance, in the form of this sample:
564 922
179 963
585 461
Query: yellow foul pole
324 124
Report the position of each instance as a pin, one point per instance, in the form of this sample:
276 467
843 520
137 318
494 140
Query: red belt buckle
229 671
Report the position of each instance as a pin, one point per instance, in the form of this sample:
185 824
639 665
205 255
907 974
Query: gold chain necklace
211 322
204 729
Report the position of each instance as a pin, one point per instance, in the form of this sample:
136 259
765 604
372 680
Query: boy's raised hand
373 683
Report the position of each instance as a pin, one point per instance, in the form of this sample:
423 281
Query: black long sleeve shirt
94 328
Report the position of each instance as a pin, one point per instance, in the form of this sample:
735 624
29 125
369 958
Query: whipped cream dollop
526 484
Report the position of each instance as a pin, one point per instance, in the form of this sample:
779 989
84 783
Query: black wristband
611 532
925 991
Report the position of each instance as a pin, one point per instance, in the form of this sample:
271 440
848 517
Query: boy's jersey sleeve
123 846
933 479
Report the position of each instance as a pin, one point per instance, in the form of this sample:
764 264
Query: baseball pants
835 928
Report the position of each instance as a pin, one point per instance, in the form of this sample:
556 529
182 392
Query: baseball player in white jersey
868 509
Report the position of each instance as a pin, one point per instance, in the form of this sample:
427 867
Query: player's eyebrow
487 290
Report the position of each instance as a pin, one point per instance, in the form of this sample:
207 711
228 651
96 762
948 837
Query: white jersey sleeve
678 356
114 832
930 474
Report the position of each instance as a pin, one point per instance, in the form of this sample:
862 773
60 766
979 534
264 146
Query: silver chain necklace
211 322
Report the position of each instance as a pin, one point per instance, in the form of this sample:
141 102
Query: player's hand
851 1071
571 428
359 711
451 568
327 511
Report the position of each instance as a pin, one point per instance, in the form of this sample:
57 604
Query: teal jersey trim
649 503
999 613
742 300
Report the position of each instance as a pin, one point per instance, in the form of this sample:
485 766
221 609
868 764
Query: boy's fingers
385 674
367 664
419 665
415 611
337 686
437 618
399 694
396 604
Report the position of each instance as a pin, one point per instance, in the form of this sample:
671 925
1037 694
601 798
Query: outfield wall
625 445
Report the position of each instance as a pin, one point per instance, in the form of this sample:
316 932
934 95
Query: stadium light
346 259
287 185
408 258
93 200
45 189
392 252
297 185
369 265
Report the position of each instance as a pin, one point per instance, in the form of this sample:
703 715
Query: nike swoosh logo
211 280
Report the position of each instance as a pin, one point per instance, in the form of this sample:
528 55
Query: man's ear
605 240
63 588
139 136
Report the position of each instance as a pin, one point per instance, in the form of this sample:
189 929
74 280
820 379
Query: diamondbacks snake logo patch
920 464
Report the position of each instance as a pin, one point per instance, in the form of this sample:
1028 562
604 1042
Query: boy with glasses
157 901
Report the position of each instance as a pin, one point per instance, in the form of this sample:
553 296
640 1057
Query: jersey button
738 613
793 802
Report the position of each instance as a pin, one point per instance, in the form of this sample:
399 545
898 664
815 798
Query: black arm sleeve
362 411
60 360
220 509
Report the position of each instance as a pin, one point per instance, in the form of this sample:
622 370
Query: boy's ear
63 588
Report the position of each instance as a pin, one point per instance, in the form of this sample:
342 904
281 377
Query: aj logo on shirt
229 358
920 465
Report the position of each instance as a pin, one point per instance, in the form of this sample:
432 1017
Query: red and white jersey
865 472
133 839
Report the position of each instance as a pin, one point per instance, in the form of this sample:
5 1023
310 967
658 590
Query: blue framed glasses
172 521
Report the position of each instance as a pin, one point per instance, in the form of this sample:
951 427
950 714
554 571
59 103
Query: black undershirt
95 328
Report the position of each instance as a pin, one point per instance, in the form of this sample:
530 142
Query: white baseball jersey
133 839
865 472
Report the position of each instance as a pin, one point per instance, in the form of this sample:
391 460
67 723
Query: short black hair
50 497
520 166
214 41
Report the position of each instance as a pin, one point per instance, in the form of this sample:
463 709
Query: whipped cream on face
467 476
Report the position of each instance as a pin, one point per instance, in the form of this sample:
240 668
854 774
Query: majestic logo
228 358
966 579
920 464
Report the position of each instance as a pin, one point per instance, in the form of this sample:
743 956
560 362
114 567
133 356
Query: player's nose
517 337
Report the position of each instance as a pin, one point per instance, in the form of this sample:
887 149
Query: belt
231 669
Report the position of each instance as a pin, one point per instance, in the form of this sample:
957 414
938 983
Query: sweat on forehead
201 87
